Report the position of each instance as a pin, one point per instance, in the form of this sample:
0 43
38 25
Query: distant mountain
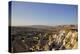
46 27
41 26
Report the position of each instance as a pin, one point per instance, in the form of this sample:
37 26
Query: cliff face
65 39
71 40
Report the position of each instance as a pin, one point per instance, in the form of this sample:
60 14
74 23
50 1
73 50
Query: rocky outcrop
59 38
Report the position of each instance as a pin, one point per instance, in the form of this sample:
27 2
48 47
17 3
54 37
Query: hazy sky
24 13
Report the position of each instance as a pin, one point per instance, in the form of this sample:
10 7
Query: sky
28 13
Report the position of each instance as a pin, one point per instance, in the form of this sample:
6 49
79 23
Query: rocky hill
29 39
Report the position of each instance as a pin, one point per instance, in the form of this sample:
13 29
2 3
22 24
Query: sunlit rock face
71 40
65 39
